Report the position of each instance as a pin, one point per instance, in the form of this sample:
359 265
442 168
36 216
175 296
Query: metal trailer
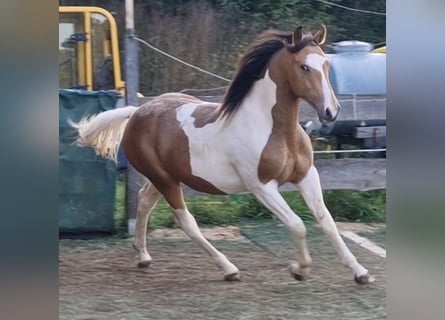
358 77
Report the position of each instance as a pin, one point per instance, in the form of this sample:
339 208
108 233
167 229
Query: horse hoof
299 273
233 277
144 264
299 277
364 279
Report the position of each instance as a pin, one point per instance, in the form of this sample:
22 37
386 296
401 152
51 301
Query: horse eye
304 67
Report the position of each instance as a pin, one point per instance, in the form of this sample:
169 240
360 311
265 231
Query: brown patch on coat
157 147
205 114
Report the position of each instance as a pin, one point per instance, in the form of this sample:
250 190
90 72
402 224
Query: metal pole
131 98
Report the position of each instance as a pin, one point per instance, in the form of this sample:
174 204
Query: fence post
131 98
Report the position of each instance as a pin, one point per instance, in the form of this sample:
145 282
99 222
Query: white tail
103 131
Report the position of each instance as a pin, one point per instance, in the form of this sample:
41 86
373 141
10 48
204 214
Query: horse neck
256 108
269 103
262 97
276 102
286 111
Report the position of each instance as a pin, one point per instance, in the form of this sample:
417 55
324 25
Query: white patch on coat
229 158
316 61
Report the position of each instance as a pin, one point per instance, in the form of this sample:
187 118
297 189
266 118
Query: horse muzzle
327 115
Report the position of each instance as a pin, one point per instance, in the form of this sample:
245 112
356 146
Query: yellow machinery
89 55
380 50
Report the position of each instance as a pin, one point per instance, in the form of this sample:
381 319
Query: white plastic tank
356 70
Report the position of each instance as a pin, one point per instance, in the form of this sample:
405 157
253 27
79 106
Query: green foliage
213 34
120 223
230 210
162 216
357 206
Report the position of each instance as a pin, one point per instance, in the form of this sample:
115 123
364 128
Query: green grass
226 210
357 206
119 205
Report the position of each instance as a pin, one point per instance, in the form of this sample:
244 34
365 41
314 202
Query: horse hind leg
188 224
174 196
148 197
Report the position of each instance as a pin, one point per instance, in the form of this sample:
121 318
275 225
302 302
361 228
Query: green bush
226 210
120 223
357 206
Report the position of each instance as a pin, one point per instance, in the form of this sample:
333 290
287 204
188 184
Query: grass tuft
351 206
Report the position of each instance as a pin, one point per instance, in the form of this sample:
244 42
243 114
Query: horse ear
320 35
298 35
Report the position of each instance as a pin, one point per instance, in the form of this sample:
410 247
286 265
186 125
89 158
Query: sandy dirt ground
98 279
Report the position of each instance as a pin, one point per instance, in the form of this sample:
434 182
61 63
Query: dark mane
253 63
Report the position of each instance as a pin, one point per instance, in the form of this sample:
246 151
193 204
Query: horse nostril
328 115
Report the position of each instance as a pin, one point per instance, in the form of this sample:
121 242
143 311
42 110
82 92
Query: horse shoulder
286 161
303 155
274 159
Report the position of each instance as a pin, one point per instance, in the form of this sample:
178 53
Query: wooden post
131 98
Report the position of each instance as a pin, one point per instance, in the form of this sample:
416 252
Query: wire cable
179 60
350 151
205 89
352 9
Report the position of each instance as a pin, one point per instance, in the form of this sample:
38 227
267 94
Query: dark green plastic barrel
86 181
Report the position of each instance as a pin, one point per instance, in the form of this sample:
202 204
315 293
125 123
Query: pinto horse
252 142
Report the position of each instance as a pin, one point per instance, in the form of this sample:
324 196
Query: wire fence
180 60
352 9
349 151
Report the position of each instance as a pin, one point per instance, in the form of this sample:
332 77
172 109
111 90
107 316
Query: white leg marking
310 189
364 243
188 224
148 197
269 195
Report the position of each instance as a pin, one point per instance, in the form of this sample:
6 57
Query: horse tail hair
103 131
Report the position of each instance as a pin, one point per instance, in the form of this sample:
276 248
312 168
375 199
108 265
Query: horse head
307 70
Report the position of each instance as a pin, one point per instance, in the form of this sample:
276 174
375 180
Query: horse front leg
270 197
311 191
